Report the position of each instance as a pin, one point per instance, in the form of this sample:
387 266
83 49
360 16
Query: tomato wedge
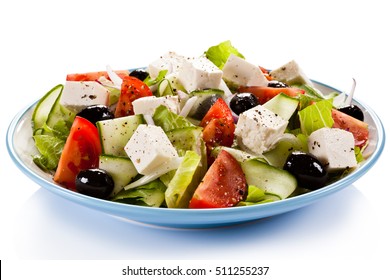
218 126
132 89
94 76
358 128
81 151
224 184
264 94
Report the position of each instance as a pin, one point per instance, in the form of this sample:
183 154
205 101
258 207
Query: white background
344 235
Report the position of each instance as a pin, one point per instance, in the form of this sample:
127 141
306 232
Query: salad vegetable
197 132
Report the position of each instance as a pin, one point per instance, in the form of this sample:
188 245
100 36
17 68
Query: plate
21 147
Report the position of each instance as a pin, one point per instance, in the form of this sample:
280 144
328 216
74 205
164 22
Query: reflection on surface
50 227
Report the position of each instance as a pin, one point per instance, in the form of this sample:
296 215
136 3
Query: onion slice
188 106
163 168
117 81
350 95
148 119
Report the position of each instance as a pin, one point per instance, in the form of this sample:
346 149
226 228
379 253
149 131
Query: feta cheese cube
199 73
170 61
239 71
334 147
79 95
258 129
146 105
150 149
290 73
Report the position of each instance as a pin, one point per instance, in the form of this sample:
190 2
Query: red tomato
218 126
266 73
132 89
81 151
264 94
224 184
93 76
358 128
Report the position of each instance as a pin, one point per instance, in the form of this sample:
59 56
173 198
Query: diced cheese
150 150
239 71
79 95
291 74
147 105
170 61
334 147
258 129
199 73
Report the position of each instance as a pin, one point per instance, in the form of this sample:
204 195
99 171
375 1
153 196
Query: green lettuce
185 181
220 53
50 148
168 120
257 196
50 134
316 116
312 95
161 76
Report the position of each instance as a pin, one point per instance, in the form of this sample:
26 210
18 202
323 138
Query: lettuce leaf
316 116
168 120
257 196
50 135
161 75
50 148
220 53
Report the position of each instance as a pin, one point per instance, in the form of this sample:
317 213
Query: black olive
140 74
94 182
242 102
353 111
96 113
277 84
204 106
307 169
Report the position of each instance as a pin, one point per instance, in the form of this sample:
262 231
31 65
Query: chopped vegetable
209 131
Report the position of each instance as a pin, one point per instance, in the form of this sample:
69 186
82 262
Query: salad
209 131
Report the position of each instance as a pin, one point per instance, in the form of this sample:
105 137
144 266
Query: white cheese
242 73
146 105
258 129
290 73
334 147
79 95
150 150
170 61
199 73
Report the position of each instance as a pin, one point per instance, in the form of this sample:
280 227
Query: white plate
21 147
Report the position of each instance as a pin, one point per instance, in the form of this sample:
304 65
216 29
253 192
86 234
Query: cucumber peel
44 106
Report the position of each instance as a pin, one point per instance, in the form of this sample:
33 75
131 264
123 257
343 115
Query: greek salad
209 131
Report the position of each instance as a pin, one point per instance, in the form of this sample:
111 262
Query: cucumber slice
188 138
270 179
115 133
183 185
60 118
121 169
42 109
283 105
278 155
